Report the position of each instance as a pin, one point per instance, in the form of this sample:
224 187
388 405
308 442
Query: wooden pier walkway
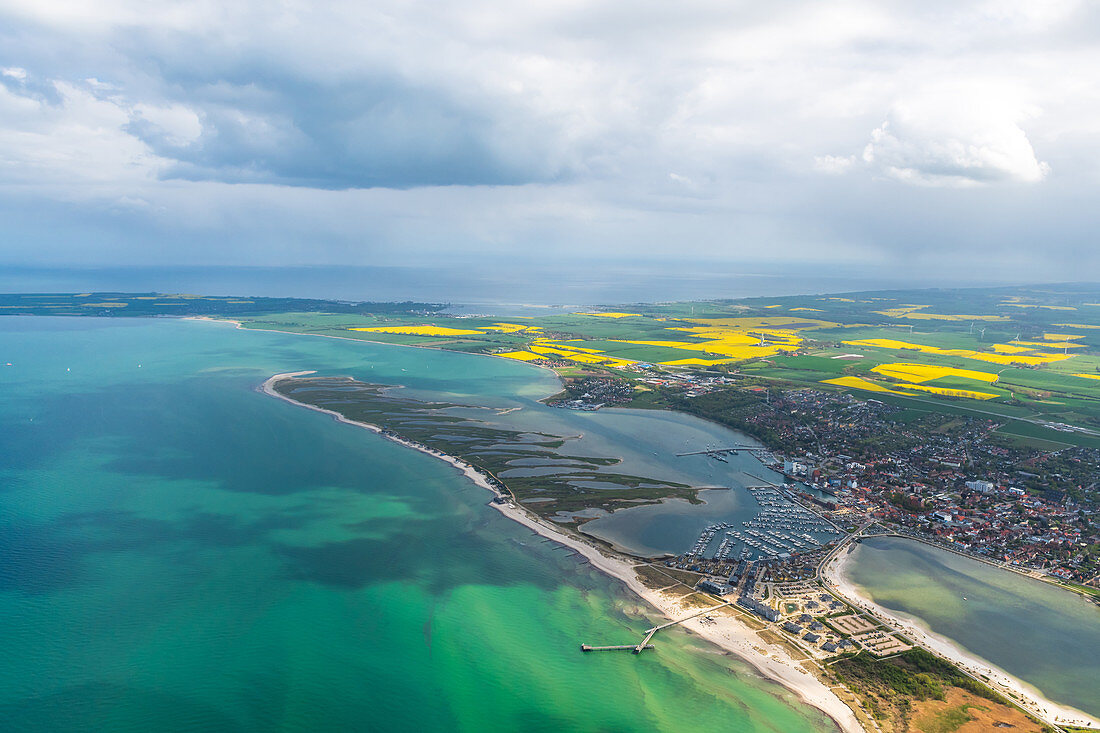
644 644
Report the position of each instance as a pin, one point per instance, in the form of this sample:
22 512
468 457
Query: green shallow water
182 553
1046 636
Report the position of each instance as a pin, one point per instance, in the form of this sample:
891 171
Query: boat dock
719 452
632 647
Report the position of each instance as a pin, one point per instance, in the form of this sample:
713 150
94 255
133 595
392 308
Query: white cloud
74 138
960 136
833 164
180 124
14 72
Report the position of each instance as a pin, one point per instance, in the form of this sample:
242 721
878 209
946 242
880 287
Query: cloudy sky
934 137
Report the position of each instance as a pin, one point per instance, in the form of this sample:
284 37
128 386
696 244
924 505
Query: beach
1016 689
770 660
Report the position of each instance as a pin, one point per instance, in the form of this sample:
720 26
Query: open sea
502 287
179 552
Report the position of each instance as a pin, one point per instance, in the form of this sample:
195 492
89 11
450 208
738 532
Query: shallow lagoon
1046 636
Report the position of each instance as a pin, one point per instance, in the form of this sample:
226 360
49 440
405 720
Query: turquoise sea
179 552
1044 635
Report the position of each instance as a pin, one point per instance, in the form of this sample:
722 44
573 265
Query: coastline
770 660
1028 697
241 327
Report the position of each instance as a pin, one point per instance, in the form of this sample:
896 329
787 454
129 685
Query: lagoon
1046 636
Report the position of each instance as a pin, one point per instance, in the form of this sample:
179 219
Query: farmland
1017 352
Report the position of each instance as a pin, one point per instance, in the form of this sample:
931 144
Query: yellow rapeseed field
1077 325
551 350
952 392
582 356
1088 376
698 362
424 330
521 355
740 352
900 310
571 347
861 383
924 373
1007 349
1062 336
911 312
508 327
1050 344
1003 359
737 346
815 310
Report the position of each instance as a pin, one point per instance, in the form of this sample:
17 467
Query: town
950 479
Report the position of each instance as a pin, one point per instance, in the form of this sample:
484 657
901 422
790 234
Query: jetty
644 644
719 452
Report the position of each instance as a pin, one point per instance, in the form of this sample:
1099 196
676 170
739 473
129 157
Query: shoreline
727 633
241 327
1003 682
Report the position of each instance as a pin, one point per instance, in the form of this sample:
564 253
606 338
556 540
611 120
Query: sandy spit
1012 687
726 632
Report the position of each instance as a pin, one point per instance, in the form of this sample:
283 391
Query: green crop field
1019 335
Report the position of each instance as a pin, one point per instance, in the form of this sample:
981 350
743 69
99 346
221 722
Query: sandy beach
1027 696
726 632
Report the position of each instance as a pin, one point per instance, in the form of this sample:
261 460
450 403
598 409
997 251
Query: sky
938 139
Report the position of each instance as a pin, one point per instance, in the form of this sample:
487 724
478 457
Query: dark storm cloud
361 133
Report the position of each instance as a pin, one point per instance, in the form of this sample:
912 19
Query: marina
780 529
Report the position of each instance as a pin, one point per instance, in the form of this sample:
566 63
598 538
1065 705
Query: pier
644 644
716 452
